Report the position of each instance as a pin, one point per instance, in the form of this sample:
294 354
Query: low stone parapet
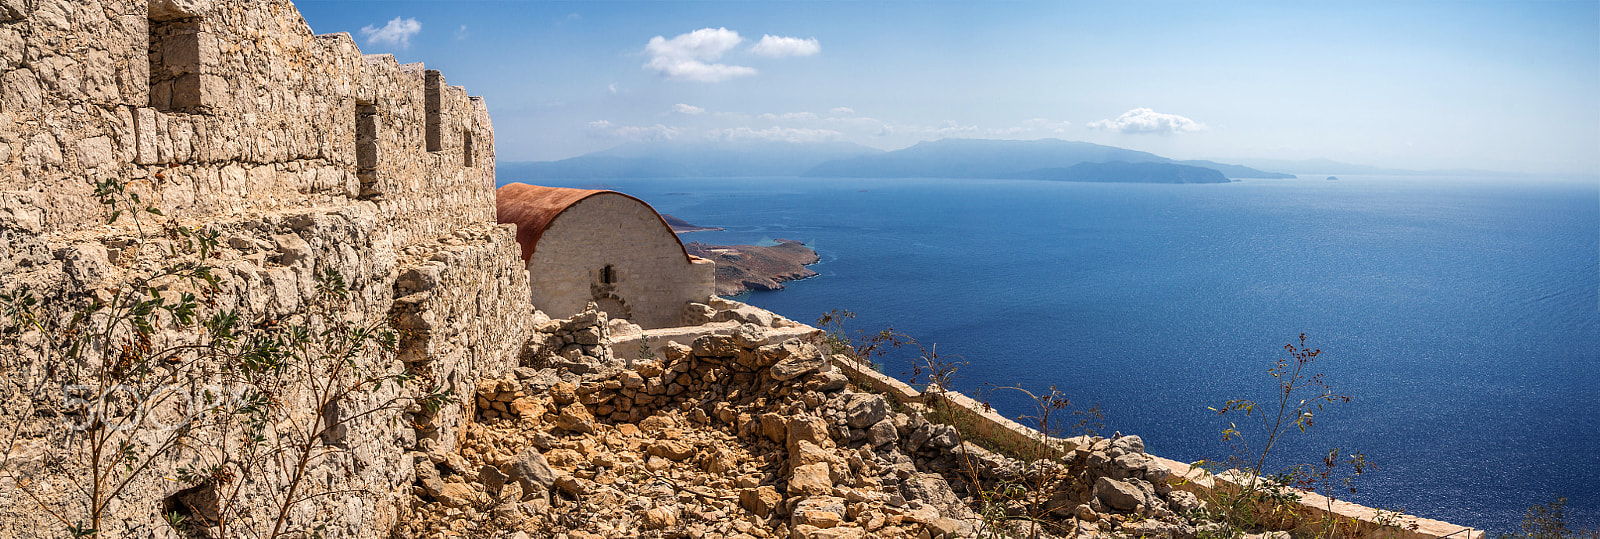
981 421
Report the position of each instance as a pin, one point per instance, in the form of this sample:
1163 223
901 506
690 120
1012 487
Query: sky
1508 85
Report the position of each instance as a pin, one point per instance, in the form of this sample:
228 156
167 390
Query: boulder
750 336
716 346
1118 495
863 410
576 418
532 472
795 366
672 449
882 433
819 511
810 480
1184 501
764 500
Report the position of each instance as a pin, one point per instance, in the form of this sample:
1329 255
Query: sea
1461 315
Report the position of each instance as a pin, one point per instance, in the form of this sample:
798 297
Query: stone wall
304 155
981 421
651 279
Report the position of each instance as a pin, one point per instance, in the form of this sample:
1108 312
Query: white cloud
789 116
952 129
461 33
681 108
397 33
612 88
1144 121
640 133
842 110
779 47
689 56
1043 124
786 134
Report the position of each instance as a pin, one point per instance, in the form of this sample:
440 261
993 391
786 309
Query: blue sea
1461 315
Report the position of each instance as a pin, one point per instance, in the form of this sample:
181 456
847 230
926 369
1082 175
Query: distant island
677 159
1120 172
681 226
742 268
986 158
947 158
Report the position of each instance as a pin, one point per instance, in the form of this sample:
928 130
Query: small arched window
608 275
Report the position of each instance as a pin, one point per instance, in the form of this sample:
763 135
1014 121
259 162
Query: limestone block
55 13
144 121
21 91
60 75
41 150
11 48
100 77
11 10
94 152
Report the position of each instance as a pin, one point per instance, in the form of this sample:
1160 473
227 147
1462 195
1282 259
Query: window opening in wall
466 148
367 147
433 86
608 275
178 52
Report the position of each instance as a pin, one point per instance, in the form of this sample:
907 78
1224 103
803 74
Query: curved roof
533 207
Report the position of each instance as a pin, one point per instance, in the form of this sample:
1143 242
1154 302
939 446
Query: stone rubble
734 436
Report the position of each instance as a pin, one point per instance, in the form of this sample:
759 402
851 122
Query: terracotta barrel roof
533 207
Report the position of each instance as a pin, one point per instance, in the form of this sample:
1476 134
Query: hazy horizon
1465 85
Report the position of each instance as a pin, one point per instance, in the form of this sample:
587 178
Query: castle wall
652 278
304 155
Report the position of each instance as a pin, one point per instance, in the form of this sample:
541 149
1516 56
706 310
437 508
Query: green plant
1548 521
1267 500
159 381
1336 475
861 347
1392 520
645 353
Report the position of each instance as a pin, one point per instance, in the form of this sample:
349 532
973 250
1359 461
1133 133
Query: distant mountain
986 158
1323 166
977 158
1236 171
1120 172
688 159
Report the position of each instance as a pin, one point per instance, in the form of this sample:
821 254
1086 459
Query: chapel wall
653 278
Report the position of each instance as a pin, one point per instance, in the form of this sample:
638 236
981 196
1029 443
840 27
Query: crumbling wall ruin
303 155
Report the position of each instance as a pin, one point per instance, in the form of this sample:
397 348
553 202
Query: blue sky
1511 86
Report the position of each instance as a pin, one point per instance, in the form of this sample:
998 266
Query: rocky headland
742 268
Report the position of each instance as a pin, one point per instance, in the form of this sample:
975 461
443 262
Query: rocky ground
739 437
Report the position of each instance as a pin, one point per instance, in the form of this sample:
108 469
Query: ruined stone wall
304 155
652 281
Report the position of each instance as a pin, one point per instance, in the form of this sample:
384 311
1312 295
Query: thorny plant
1049 468
132 364
1548 521
1019 504
1264 500
1336 475
862 348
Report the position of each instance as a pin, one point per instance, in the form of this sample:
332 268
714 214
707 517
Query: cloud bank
682 108
1144 121
779 47
690 56
640 133
776 133
397 33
